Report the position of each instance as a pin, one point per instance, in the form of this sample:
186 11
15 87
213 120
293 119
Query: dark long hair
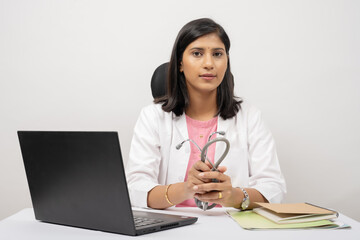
176 99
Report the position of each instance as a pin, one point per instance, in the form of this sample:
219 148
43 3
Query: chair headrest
159 80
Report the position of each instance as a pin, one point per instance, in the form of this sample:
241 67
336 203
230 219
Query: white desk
213 224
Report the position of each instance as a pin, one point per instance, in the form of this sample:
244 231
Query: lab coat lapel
181 127
223 125
179 158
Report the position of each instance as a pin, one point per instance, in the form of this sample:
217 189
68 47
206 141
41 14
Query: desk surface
213 224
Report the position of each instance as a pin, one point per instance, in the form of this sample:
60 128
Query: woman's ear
181 67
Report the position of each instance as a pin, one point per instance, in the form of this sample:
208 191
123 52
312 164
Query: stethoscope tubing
204 151
205 205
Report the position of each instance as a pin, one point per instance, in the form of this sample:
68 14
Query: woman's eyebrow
196 48
200 48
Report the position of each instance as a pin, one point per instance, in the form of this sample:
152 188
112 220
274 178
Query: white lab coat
154 160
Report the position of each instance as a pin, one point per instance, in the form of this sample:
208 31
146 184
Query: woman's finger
210 196
193 176
222 169
201 166
213 175
208 187
195 179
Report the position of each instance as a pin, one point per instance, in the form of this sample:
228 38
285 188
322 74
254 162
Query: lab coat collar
180 122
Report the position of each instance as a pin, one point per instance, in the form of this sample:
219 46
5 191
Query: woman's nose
208 62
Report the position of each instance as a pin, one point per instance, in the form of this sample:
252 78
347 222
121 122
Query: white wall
86 65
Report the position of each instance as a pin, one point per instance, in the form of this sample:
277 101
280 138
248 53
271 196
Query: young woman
200 101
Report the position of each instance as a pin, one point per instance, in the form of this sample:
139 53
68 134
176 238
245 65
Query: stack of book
287 216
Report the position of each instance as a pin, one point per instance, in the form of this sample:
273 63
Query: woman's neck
202 107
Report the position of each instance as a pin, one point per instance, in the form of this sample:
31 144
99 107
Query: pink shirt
199 132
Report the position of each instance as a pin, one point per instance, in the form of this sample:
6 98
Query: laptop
77 179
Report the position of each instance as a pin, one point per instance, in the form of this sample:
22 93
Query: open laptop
78 179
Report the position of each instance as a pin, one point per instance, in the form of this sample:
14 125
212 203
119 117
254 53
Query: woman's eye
197 54
218 54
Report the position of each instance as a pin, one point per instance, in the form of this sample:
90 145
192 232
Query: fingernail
195 187
201 174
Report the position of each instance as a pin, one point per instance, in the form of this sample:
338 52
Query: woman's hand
194 178
220 192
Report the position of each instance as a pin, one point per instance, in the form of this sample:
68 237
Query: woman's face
204 64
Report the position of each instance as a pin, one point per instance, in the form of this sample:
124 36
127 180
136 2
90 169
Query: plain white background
86 65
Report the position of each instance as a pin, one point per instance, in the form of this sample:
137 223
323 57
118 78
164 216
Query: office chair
159 80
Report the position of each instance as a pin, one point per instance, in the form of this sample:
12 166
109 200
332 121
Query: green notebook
251 220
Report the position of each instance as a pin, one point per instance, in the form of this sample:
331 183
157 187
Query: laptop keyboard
140 221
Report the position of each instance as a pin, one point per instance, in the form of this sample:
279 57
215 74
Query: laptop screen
77 179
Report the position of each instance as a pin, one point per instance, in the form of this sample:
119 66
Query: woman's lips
208 76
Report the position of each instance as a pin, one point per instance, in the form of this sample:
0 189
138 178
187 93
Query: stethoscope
205 205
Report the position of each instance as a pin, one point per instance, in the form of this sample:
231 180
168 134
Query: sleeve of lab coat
144 158
264 169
